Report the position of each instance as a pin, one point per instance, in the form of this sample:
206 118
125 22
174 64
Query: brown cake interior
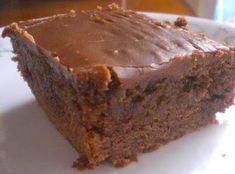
118 123
108 116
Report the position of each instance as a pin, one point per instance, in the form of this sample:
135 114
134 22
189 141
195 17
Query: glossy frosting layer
114 37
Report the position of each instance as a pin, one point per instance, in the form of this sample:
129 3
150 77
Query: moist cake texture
116 83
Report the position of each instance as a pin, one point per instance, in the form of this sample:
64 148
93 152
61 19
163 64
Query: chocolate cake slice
116 83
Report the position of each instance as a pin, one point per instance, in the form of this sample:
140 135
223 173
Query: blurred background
15 10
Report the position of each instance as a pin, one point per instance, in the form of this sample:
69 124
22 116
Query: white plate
29 144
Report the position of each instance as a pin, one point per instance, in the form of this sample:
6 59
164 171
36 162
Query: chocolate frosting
114 37
115 42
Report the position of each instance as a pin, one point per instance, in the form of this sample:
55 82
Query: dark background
15 10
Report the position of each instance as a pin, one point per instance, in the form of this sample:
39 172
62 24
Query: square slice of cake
116 83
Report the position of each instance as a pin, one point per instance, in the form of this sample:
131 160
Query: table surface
15 10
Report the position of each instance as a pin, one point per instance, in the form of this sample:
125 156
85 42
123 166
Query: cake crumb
82 164
113 6
99 7
72 11
181 22
97 18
